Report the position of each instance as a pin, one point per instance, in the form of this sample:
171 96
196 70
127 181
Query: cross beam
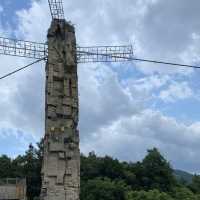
104 54
22 48
36 50
56 8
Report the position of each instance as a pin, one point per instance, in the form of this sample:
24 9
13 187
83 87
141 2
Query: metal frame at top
56 8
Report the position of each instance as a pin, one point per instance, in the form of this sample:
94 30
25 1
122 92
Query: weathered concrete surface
12 189
61 163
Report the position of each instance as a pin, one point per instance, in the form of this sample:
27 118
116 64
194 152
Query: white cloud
103 99
113 115
129 137
176 91
151 83
34 23
156 28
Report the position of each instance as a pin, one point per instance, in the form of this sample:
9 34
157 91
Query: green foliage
90 166
184 177
93 166
5 166
179 193
157 172
31 169
183 193
195 185
103 189
27 166
150 195
105 178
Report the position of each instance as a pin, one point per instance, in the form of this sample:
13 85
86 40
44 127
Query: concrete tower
61 163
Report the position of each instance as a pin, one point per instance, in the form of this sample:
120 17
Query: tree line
105 178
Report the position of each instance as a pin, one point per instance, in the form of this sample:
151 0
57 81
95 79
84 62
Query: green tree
105 178
5 167
18 167
93 167
130 178
90 166
150 195
183 193
27 166
103 189
195 185
111 168
32 168
157 172
139 173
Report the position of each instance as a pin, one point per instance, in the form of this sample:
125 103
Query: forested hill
183 176
105 178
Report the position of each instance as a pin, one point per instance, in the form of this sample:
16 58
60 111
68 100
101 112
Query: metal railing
12 181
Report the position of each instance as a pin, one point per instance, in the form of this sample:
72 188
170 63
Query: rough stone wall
61 163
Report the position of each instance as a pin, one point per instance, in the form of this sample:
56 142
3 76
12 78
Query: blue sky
8 16
124 108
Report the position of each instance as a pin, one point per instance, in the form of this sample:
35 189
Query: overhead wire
20 69
165 63
112 56
142 60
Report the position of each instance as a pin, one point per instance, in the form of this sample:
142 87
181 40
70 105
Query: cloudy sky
125 108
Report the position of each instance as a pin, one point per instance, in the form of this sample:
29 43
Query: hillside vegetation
183 176
105 178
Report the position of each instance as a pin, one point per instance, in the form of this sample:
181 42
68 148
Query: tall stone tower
61 163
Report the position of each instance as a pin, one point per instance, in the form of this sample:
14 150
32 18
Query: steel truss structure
22 48
104 54
36 50
56 8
